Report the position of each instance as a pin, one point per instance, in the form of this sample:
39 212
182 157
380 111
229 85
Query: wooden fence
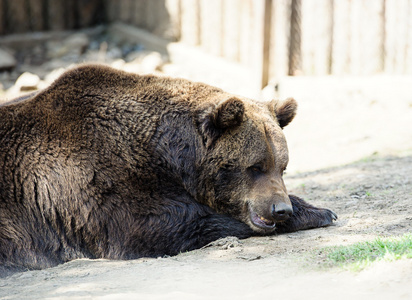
286 37
279 37
20 16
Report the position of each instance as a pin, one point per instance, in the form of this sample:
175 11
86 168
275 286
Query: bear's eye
256 170
284 171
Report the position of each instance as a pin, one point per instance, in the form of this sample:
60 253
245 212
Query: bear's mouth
260 221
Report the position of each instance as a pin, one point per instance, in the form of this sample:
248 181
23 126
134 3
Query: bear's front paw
327 218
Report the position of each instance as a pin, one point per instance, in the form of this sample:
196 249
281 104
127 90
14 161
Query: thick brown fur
106 164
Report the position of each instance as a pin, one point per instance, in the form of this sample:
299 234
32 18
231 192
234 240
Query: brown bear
106 164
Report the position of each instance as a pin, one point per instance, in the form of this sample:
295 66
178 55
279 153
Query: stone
7 61
77 43
148 61
27 82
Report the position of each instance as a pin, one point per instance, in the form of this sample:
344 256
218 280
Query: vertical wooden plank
157 17
139 13
398 17
316 36
173 8
231 30
258 42
71 15
246 34
112 10
131 11
267 26
309 28
18 19
190 30
373 36
408 65
390 36
125 10
355 38
211 33
2 17
279 55
341 37
56 14
295 67
37 22
255 36
87 11
366 37
165 27
150 16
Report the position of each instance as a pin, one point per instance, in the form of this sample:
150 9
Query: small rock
249 257
7 61
27 82
73 46
55 49
114 53
77 43
118 64
225 243
172 70
148 61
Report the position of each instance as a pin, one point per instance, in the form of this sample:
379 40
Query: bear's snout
281 211
266 212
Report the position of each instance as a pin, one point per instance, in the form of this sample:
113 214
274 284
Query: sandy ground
350 151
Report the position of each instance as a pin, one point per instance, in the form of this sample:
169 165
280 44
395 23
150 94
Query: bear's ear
284 111
228 114
214 121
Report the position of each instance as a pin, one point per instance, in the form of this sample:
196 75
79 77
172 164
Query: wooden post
231 29
112 8
2 17
173 9
408 65
267 24
157 18
190 23
18 20
398 39
295 58
316 29
56 14
341 37
246 33
279 53
260 43
211 33
126 9
37 22
71 14
366 36
87 11
139 13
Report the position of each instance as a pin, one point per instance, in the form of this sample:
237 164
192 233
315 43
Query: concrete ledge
22 40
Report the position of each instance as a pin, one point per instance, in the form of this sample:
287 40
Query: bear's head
246 155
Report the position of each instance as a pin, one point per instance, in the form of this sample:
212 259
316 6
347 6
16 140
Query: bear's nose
281 211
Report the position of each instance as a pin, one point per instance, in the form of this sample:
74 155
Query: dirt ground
350 151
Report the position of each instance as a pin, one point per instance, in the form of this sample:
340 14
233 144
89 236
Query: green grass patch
358 256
